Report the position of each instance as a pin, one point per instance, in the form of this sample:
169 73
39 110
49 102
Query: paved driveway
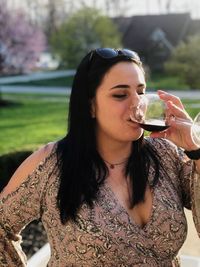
193 94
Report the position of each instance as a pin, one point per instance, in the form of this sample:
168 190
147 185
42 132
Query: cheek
103 115
109 111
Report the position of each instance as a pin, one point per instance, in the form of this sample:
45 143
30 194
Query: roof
137 30
194 27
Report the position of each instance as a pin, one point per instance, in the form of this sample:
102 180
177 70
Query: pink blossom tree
20 42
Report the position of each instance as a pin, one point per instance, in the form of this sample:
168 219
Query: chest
141 212
107 233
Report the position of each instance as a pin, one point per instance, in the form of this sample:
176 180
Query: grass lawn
163 81
37 119
32 121
60 82
192 107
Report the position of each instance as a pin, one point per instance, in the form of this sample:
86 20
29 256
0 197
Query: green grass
163 81
192 107
32 121
60 82
38 119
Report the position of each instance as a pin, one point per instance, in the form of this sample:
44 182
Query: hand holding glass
151 115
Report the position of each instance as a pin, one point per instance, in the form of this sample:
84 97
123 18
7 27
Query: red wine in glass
154 125
150 113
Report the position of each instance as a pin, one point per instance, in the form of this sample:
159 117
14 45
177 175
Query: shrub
9 163
185 62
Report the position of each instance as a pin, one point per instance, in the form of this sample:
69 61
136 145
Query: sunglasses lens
130 54
107 52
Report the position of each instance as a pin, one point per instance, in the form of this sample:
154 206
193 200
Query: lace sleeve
186 175
195 198
190 185
188 178
19 208
177 164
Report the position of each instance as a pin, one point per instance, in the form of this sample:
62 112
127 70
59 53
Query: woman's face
121 87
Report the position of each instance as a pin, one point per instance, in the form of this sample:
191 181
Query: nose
135 100
137 108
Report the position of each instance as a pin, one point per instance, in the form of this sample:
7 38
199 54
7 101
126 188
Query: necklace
112 165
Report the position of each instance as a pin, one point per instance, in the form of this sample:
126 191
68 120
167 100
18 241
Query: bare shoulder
27 167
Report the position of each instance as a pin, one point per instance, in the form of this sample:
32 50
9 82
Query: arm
181 135
195 192
197 165
20 203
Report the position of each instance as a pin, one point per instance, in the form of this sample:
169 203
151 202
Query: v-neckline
131 220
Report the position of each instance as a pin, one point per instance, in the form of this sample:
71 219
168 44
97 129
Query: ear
93 109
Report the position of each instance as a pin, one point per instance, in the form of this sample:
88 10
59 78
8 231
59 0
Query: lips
132 123
130 120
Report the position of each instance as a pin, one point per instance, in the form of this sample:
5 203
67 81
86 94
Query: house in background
47 61
155 36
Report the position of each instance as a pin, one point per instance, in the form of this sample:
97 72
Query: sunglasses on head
108 53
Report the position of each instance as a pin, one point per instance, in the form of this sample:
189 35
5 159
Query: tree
168 6
56 13
84 30
185 62
117 7
20 42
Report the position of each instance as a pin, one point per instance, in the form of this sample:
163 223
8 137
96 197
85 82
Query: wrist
193 154
193 147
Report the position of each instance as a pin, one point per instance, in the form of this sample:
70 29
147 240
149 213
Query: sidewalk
192 94
191 246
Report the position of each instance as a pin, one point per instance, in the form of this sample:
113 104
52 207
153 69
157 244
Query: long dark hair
82 170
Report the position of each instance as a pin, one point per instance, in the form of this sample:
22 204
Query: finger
179 123
169 97
162 134
174 99
177 111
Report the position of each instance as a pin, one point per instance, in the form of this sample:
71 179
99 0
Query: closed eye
119 96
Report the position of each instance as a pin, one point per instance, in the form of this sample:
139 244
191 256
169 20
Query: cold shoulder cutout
24 202
26 168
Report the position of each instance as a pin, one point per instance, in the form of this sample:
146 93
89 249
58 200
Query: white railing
36 76
40 258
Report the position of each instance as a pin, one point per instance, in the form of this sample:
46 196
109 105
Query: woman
106 196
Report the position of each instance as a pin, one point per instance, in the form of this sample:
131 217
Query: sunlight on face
120 89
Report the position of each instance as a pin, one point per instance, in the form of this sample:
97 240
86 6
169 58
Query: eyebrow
120 86
126 86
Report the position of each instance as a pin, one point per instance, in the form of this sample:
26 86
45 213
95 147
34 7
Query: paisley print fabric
104 235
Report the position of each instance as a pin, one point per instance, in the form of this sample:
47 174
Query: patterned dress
105 235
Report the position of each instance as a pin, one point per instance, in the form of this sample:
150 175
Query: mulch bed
5 103
34 237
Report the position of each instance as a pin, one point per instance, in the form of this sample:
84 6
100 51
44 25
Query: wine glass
150 113
196 129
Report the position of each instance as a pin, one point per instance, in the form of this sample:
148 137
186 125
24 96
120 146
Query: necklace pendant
112 166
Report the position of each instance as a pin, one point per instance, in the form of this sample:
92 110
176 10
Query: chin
137 136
